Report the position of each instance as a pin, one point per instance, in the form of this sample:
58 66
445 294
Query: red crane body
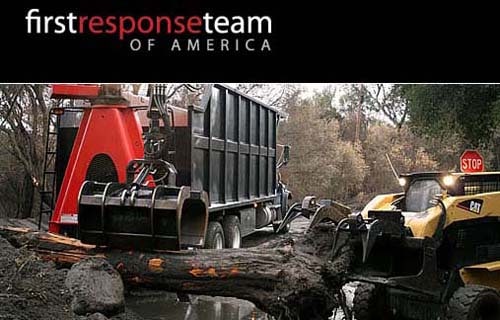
111 127
105 129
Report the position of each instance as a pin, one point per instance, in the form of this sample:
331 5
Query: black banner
117 41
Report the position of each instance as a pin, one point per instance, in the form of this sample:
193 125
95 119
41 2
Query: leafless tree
387 98
276 95
23 125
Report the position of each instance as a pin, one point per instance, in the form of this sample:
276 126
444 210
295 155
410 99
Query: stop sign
471 161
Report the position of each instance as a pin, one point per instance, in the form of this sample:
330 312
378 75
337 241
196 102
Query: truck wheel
474 302
232 231
215 236
368 303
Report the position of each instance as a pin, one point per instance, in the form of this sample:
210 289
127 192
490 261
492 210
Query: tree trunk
288 278
28 191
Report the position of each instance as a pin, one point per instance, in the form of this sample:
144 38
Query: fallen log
291 278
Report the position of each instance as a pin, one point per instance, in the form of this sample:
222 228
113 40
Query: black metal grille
475 187
488 252
102 169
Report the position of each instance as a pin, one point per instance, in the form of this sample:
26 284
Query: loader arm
316 211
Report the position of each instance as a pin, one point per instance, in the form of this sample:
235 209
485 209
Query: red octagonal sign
471 161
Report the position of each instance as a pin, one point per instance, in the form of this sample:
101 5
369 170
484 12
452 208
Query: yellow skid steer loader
429 252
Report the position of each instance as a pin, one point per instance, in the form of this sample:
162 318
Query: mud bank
31 288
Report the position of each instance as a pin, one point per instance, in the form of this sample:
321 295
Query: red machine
109 134
108 138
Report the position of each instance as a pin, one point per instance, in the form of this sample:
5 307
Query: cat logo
473 205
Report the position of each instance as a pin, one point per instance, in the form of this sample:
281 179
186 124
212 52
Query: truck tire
474 302
369 304
232 231
215 236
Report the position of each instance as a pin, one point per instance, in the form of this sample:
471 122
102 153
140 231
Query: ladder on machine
48 184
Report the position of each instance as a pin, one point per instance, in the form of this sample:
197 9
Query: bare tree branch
23 125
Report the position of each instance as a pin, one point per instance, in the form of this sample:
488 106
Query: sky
310 88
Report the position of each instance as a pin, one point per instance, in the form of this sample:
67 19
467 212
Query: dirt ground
34 289
31 288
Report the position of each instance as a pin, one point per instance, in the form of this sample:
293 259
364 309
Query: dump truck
134 172
429 252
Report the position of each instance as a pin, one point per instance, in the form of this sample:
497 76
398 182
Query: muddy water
167 306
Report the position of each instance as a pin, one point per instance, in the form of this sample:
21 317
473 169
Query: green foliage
441 111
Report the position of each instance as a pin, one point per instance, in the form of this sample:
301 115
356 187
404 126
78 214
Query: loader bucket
379 223
159 218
